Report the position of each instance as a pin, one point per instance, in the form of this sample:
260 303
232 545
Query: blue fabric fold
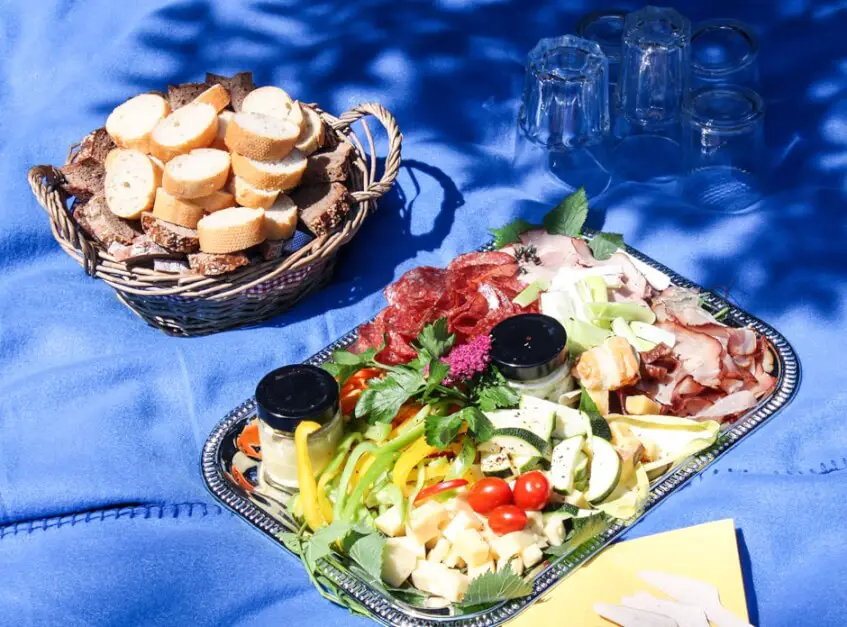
100 413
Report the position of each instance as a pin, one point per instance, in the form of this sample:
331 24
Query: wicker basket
191 305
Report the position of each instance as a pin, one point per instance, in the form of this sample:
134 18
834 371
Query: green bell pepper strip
463 460
381 463
419 484
349 468
341 454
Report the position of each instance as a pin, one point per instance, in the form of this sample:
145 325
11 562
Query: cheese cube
479 571
472 547
511 544
535 522
461 521
439 580
453 559
459 504
390 522
424 521
516 563
399 560
642 405
554 531
413 545
531 555
439 551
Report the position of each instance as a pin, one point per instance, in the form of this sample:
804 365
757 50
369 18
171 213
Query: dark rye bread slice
141 250
171 236
328 166
180 95
96 145
322 207
99 222
209 264
238 86
83 178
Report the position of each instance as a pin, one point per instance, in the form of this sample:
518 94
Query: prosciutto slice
699 354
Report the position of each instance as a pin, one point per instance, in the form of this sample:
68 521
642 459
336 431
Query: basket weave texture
192 305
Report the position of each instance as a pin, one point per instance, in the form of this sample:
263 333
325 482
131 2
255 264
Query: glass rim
693 118
635 19
736 26
596 16
595 57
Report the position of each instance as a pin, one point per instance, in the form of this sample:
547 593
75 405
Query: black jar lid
528 346
288 395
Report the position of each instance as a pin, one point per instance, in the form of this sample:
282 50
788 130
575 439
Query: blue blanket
103 515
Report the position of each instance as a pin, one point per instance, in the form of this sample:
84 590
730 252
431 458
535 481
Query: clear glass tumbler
606 28
566 94
724 52
723 147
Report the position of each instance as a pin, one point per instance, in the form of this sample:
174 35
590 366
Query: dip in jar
285 397
529 350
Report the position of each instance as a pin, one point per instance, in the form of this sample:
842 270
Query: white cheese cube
531 555
512 543
516 563
413 545
554 531
461 521
424 521
541 541
472 547
479 571
459 504
390 522
453 559
535 523
439 551
399 560
439 580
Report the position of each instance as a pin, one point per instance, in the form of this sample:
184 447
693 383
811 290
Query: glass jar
284 398
530 352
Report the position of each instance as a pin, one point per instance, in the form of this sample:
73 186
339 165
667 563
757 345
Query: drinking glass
723 147
724 52
606 28
566 94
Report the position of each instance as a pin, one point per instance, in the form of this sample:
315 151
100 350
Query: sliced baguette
274 102
216 95
176 210
312 134
260 136
238 86
231 230
216 201
224 119
282 175
247 195
281 218
200 173
131 124
130 184
193 126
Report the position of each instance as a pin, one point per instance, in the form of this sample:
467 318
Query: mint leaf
383 398
568 216
440 431
584 529
492 587
435 339
368 552
510 233
604 245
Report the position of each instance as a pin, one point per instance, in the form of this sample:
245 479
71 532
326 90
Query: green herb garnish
511 233
568 216
493 587
441 431
604 245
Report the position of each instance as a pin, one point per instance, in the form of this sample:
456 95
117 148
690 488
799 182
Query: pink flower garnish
468 360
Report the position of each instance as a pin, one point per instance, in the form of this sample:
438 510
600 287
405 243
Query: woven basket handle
395 142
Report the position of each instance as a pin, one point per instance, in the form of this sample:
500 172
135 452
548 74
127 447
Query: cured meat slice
699 354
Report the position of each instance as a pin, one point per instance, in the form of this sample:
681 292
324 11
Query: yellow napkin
706 552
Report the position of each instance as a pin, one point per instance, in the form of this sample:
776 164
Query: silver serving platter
268 515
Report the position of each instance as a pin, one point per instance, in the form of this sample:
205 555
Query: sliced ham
699 354
731 405
741 342
682 305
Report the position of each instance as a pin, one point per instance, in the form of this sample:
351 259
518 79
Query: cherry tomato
438 488
532 490
488 493
506 519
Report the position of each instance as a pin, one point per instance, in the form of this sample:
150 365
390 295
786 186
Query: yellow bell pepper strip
463 460
419 484
364 463
437 468
410 458
306 476
323 501
349 467
382 463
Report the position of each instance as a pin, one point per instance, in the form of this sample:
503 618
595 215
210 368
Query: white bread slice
230 230
224 119
193 126
312 134
283 174
177 210
260 136
201 172
215 201
274 102
131 182
247 195
281 218
131 124
216 95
